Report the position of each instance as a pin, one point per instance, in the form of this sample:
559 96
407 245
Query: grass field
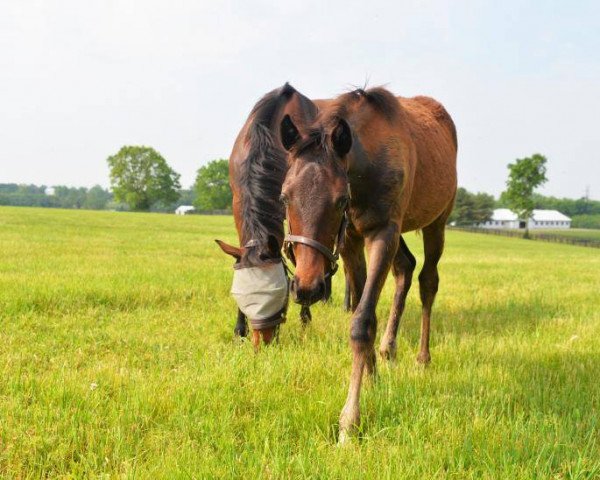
117 360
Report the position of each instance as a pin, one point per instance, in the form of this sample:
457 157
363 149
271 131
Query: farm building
184 209
505 218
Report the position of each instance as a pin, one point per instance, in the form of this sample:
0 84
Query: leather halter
332 256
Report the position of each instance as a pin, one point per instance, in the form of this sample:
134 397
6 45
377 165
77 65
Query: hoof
424 358
388 352
349 422
345 438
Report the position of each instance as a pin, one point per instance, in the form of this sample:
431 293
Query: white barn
184 209
552 219
505 218
502 218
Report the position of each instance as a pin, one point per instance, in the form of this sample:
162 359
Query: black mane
263 172
379 98
317 137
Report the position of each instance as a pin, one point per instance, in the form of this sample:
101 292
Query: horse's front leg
241 325
382 246
305 315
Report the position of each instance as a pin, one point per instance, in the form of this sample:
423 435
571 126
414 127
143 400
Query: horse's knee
363 328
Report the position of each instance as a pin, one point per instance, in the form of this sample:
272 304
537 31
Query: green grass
117 360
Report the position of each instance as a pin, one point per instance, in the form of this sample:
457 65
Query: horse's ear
235 252
289 133
341 138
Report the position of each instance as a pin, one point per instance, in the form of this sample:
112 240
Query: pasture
117 360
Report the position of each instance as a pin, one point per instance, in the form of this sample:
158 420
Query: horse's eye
341 203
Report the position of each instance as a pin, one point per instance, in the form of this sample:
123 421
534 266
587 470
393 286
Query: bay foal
388 164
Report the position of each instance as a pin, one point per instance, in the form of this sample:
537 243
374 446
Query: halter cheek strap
332 256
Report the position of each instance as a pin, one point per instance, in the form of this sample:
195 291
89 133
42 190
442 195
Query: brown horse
257 167
389 165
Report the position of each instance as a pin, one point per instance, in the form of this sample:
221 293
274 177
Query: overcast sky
81 78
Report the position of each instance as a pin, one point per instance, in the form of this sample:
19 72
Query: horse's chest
373 202
364 221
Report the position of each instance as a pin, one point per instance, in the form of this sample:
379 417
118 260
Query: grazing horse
384 165
257 167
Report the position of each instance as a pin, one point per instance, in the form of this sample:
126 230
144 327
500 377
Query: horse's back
434 183
427 117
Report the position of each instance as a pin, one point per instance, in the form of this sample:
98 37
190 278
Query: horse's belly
431 196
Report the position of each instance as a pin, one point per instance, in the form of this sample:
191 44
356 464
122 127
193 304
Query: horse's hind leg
402 268
433 240
241 326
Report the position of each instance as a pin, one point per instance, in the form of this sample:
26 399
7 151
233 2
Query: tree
96 198
212 186
471 208
140 177
69 197
186 196
524 176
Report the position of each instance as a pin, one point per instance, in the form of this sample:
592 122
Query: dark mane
315 137
264 170
381 99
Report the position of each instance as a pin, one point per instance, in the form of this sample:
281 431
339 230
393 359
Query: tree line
142 180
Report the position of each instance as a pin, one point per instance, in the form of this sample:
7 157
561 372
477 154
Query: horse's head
315 194
260 285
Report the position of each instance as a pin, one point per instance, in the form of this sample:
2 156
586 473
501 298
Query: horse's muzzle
307 295
261 294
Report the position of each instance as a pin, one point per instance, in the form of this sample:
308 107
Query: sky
81 78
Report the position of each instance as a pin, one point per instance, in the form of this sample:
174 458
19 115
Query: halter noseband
332 256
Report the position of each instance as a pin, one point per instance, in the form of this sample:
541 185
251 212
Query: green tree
140 177
212 186
186 196
524 176
96 198
69 197
471 208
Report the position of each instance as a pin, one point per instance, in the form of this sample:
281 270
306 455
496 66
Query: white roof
549 216
185 208
504 214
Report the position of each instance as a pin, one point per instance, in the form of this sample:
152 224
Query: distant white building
502 218
505 218
184 209
49 191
